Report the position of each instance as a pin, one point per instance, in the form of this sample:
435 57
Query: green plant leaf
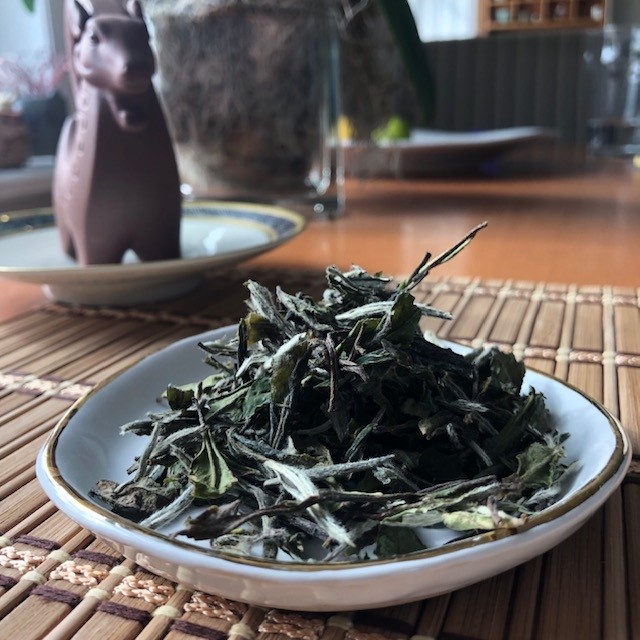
29 4
403 28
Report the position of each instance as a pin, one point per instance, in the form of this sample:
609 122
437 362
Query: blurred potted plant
236 78
33 92
33 87
15 142
385 72
228 71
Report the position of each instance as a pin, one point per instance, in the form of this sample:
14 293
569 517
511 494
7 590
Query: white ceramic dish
430 152
213 234
86 446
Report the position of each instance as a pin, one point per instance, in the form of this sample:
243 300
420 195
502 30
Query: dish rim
459 141
159 268
619 459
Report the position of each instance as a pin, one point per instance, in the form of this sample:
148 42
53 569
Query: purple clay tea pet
116 184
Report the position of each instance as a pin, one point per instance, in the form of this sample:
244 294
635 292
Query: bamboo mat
58 582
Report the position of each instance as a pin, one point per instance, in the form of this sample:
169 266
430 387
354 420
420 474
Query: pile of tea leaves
334 425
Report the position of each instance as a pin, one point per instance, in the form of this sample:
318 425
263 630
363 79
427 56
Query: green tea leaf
481 518
538 464
395 541
516 428
223 402
506 371
450 497
404 320
210 475
297 483
333 424
180 397
134 501
258 328
283 364
257 397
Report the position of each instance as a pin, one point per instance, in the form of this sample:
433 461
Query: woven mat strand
58 582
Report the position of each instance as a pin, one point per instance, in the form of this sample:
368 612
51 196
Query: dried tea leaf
213 521
334 424
297 483
481 518
393 541
180 397
210 475
284 362
404 320
538 465
134 501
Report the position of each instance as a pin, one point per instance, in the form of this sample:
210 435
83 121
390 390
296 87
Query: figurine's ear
135 9
79 14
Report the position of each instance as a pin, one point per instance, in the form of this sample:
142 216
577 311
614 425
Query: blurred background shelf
28 186
518 15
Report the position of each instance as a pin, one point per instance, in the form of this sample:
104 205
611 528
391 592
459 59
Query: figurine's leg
62 185
67 241
164 245
100 252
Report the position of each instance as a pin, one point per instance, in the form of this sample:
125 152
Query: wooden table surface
554 278
578 223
